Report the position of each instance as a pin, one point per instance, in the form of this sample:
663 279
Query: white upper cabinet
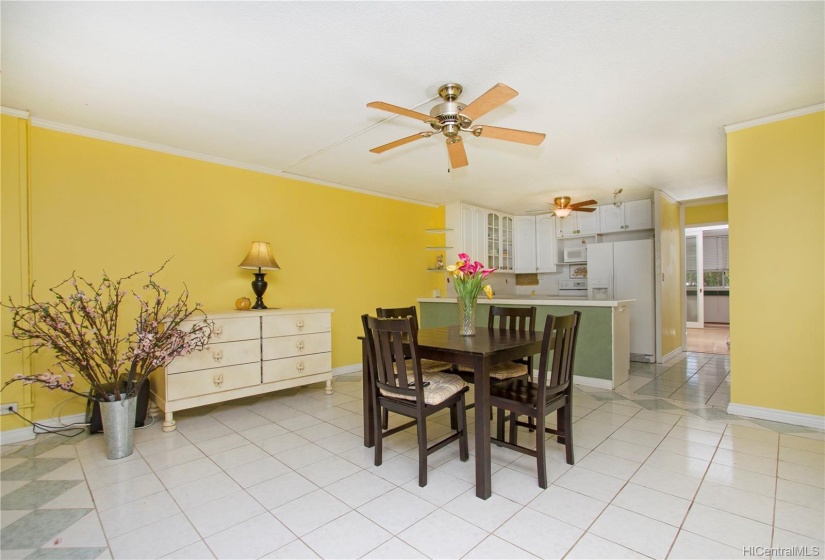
535 244
578 224
485 235
462 236
633 215
545 243
525 243
499 241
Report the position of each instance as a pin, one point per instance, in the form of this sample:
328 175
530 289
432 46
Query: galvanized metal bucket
119 427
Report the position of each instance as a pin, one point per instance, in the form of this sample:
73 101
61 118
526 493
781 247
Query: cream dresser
250 353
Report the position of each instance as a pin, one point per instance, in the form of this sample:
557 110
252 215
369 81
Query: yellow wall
14 249
97 205
672 275
706 214
777 309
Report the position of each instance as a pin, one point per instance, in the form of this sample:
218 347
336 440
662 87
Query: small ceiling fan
562 207
452 117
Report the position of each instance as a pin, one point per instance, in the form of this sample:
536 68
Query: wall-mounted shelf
438 230
438 248
436 270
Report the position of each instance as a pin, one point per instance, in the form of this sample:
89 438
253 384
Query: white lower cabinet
250 353
717 309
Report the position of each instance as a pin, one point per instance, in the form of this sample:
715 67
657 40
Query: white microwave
575 254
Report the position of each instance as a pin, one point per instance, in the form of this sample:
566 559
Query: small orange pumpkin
243 303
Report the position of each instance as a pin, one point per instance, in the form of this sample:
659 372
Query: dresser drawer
298 366
215 380
286 325
228 330
299 345
218 355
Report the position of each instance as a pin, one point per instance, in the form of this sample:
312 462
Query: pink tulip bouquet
468 277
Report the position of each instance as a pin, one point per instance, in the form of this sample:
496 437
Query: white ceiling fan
453 117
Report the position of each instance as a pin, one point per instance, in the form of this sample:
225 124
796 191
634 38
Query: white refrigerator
624 270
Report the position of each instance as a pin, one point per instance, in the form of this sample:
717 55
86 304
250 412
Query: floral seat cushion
442 386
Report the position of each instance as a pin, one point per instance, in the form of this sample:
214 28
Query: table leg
481 378
369 436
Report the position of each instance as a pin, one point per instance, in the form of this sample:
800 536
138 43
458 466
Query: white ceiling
631 95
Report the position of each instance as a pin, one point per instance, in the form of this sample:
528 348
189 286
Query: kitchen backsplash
505 284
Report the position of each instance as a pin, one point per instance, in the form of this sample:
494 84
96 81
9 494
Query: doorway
707 290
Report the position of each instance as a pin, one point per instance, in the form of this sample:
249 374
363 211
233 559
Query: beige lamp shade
260 256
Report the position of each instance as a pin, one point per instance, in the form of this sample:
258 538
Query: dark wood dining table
480 352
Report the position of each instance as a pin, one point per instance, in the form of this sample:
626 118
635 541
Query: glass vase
466 316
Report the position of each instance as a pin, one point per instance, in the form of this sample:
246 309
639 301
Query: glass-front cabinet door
493 240
506 243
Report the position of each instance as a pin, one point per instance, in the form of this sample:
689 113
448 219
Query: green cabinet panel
594 349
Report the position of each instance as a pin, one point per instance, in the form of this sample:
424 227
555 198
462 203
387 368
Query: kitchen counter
536 300
603 347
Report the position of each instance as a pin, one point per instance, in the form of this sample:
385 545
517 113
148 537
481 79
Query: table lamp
259 257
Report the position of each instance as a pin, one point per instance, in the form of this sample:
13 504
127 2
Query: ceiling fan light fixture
562 212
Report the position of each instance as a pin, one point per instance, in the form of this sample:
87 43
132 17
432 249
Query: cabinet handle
300 366
217 332
299 325
217 355
299 345
217 380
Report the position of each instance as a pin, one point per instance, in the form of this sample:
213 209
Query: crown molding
114 138
704 201
774 118
14 112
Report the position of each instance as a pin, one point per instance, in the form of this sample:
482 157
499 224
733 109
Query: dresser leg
169 423
328 388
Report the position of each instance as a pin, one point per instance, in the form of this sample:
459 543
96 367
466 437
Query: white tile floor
287 476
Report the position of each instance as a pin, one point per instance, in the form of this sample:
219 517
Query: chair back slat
512 319
398 313
555 373
385 341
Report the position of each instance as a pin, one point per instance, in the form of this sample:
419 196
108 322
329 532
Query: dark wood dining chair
427 366
551 391
512 319
399 385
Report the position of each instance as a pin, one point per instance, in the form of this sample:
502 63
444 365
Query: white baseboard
670 355
593 382
344 370
26 434
775 415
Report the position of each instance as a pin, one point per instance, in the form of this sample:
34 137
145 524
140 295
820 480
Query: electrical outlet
8 408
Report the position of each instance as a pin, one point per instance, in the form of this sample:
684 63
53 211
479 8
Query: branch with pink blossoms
80 326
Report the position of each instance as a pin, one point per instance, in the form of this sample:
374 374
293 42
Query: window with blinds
715 259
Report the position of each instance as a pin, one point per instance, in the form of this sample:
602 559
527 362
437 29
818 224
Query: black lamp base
259 287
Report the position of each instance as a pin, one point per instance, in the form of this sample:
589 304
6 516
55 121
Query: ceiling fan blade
510 134
580 204
582 209
455 149
400 111
497 95
407 140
